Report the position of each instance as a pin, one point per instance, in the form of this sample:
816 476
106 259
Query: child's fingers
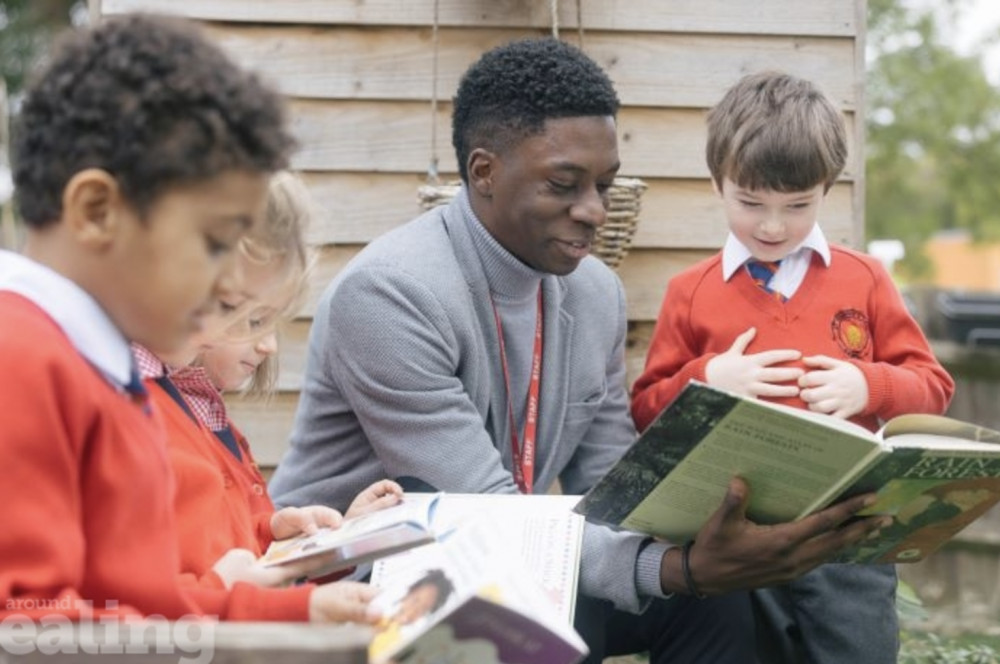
343 601
360 507
291 521
382 502
820 361
779 375
740 344
769 357
324 516
775 391
384 488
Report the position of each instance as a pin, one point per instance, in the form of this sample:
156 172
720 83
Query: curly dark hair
509 93
437 579
151 101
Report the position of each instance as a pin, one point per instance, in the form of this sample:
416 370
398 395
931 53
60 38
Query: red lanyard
524 456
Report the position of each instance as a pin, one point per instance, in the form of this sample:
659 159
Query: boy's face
548 193
771 224
168 270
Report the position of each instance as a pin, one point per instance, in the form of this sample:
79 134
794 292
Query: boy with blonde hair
782 315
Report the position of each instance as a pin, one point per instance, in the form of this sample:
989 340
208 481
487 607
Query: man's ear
481 168
92 207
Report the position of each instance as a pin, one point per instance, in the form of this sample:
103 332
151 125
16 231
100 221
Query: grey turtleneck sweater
513 290
404 378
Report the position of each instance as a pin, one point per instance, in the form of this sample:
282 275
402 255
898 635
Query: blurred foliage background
933 131
26 30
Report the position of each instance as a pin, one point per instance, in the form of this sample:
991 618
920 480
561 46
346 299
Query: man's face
547 195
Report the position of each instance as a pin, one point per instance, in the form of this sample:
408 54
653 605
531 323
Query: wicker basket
613 238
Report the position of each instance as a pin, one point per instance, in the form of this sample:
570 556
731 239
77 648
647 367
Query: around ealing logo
72 626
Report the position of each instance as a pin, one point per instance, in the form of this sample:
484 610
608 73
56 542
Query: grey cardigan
403 378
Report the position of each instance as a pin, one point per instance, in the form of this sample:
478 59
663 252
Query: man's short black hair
509 93
149 100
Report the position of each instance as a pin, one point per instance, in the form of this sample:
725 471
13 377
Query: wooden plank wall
358 77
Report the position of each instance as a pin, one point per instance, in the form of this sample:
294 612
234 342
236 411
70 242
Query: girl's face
242 317
230 365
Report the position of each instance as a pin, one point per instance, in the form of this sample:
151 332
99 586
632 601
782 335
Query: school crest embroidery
851 332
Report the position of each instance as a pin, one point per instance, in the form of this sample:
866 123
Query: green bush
932 649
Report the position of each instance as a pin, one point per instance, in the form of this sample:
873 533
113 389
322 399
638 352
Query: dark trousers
679 630
835 614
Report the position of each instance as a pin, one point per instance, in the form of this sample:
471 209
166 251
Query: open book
362 538
540 531
933 475
465 600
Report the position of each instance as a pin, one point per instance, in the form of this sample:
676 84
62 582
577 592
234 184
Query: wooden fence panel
395 137
684 213
649 69
769 17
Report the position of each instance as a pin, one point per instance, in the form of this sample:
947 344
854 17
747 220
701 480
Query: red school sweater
87 490
221 503
850 311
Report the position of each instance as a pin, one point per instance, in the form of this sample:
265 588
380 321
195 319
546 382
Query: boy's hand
342 601
836 387
381 494
753 375
292 521
241 565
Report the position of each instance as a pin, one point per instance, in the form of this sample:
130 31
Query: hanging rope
554 10
432 167
579 21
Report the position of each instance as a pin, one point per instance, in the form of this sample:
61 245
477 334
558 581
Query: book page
940 426
468 596
541 532
791 462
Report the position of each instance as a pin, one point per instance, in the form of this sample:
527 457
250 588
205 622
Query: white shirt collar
75 311
735 253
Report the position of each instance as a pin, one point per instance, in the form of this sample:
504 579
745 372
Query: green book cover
676 474
931 496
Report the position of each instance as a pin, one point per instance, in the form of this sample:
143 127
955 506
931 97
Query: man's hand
835 387
754 375
292 521
381 494
733 553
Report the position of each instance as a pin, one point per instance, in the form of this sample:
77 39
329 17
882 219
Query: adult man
419 341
